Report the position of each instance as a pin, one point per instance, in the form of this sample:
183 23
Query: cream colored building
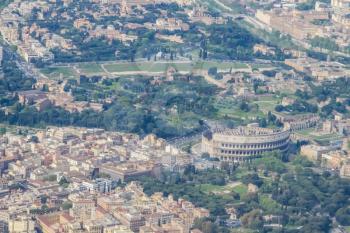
345 170
334 159
21 225
314 152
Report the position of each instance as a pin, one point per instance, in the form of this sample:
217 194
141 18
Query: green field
322 138
205 65
90 68
261 66
147 67
266 105
311 133
127 67
240 172
325 139
56 72
306 132
111 68
258 108
209 188
152 67
180 66
239 114
241 189
227 109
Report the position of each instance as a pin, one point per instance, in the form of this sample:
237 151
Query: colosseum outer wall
244 143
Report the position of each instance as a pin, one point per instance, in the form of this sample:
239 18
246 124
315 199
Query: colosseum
243 143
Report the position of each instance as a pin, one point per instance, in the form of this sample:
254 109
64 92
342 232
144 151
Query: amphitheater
243 143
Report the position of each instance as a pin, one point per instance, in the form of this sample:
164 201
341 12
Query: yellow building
314 152
21 225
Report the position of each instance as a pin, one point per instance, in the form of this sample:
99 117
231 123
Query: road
179 142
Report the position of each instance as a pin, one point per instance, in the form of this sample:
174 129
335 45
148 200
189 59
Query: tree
66 205
253 219
263 123
34 139
270 162
252 178
205 155
43 199
213 71
325 43
316 224
343 216
205 226
2 130
256 87
244 106
279 108
63 182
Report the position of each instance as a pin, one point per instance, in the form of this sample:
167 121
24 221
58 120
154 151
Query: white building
99 185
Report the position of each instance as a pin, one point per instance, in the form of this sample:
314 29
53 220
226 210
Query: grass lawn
56 72
322 139
266 105
240 172
122 67
260 66
306 132
180 66
241 189
115 86
288 93
268 98
205 65
227 107
186 67
93 68
90 68
222 190
162 67
310 133
325 139
235 112
148 66
208 188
